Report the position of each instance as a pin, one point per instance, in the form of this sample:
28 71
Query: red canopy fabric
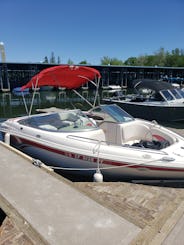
69 77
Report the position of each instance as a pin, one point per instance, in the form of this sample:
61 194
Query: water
13 105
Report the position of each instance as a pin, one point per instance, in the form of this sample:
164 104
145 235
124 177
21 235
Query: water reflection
13 105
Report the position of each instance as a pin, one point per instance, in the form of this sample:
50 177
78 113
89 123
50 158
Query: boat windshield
112 113
62 121
168 96
176 94
181 92
172 94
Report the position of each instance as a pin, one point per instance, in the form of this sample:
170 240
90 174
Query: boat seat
48 127
69 117
133 131
112 132
125 133
157 133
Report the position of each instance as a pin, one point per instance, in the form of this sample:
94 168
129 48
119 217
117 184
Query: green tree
84 62
160 57
58 60
70 62
175 58
105 60
141 60
132 61
117 62
46 61
111 61
52 58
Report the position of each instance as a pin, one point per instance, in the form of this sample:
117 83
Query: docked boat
17 91
104 139
152 100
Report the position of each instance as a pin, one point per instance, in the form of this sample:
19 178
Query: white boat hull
120 146
86 165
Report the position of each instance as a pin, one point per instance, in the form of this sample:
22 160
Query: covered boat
152 100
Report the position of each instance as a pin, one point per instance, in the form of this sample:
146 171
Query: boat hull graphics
86 165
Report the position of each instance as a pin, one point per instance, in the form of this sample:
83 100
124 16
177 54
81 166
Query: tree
59 60
111 61
132 61
160 57
141 60
117 62
46 61
70 62
105 60
52 58
175 58
84 62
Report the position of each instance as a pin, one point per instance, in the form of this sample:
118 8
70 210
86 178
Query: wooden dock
44 208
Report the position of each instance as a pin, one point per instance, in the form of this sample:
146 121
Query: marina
91 123
39 206
103 141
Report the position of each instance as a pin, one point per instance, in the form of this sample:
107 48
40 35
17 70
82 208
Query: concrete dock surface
57 211
44 208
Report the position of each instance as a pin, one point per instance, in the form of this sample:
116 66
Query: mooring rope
101 168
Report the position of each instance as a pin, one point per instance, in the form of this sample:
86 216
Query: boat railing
85 139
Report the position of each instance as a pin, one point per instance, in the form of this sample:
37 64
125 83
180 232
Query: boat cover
152 84
66 76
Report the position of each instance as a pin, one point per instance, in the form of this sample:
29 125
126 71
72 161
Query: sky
89 30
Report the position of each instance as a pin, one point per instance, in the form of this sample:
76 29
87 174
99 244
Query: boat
105 139
17 91
152 100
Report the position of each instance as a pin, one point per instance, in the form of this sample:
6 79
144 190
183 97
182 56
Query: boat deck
48 209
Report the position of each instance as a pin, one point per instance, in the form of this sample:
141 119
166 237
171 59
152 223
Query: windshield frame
112 113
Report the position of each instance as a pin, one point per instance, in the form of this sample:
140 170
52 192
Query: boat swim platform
49 209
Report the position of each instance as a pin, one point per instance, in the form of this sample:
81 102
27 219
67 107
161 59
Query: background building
17 74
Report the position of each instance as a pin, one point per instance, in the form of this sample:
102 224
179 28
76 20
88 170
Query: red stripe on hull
93 159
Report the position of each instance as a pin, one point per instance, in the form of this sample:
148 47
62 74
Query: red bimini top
66 76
